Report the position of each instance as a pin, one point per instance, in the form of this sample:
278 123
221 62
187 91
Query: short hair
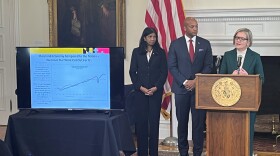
248 33
187 19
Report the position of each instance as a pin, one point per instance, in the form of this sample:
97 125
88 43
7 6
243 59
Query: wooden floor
168 151
163 150
173 151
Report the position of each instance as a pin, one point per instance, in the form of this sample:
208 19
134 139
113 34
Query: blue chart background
70 81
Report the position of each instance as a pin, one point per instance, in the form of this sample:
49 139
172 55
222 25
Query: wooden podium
227 127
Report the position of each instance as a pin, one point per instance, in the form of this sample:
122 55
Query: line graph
72 83
98 79
88 83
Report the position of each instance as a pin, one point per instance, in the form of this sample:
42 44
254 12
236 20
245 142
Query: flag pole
170 141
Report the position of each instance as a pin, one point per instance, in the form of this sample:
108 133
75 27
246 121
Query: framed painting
87 23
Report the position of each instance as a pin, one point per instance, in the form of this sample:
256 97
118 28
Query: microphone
218 61
239 60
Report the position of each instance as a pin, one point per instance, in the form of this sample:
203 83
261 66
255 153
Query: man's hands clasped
190 85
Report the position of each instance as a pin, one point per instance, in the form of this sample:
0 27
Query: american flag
167 16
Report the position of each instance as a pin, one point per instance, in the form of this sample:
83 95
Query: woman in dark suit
242 60
148 73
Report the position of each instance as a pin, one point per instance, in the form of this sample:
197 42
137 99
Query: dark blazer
148 74
4 149
180 65
252 63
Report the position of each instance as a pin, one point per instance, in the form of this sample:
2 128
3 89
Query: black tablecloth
68 133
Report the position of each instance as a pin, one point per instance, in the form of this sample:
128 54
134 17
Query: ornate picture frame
84 11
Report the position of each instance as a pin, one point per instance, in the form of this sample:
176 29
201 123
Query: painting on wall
87 23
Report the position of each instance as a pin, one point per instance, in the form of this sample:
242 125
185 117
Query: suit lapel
248 60
143 56
185 48
153 55
233 60
197 47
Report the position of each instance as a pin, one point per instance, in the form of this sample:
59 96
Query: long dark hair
147 31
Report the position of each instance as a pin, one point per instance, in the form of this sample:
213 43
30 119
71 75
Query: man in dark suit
189 55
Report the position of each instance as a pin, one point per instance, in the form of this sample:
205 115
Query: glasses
242 39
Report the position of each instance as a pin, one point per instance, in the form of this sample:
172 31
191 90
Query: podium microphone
239 60
218 60
218 63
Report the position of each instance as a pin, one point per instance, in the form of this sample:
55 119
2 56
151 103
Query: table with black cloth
69 133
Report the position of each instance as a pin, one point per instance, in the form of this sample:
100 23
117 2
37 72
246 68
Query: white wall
134 26
33 23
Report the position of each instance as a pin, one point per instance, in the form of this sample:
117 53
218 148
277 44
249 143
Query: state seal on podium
226 92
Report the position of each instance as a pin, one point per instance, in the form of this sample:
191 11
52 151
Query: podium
228 100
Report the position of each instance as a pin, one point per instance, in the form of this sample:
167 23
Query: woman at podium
244 61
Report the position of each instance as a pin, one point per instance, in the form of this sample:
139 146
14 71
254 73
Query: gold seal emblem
226 92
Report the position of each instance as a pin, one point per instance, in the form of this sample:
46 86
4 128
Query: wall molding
219 25
252 12
1 48
238 19
2 98
1 13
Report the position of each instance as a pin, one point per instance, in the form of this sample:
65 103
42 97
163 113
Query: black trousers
184 104
147 122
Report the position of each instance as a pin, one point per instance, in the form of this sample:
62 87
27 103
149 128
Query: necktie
191 50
